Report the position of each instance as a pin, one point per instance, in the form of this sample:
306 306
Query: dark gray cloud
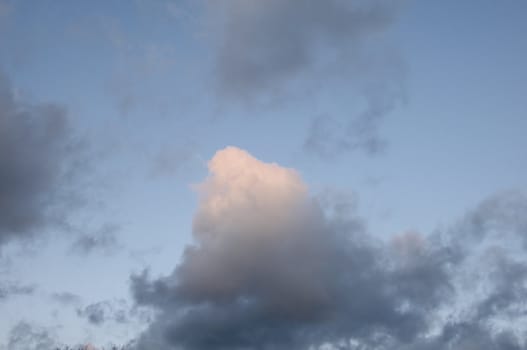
8 289
37 153
272 268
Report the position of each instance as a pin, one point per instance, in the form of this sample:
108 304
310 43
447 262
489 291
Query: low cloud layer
273 268
36 161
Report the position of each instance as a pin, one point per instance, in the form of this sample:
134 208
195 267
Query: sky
263 174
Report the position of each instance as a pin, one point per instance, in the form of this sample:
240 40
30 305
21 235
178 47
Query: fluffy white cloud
244 196
253 219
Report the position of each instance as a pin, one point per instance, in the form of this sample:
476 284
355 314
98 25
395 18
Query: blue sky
153 89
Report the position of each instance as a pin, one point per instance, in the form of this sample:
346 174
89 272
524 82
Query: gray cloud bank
273 268
36 162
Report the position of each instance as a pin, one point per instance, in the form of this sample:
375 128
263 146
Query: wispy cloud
10 289
104 240
26 336
279 50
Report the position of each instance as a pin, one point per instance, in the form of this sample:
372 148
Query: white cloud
245 196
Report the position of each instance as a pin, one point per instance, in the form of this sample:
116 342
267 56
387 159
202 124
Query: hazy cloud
172 160
100 312
103 240
8 289
117 311
266 50
66 298
25 336
264 44
329 137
